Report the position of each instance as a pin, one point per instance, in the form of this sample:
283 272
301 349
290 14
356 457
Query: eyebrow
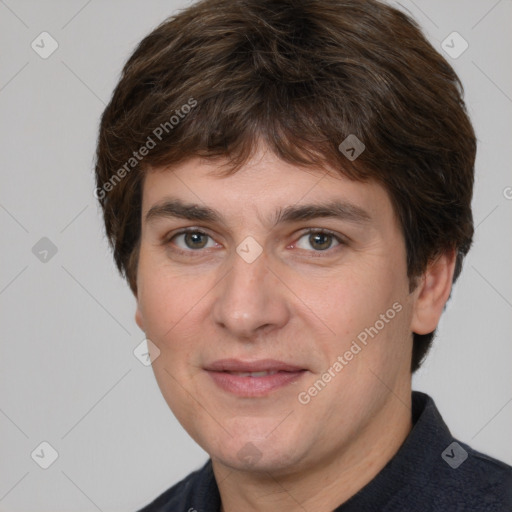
181 210
175 208
336 209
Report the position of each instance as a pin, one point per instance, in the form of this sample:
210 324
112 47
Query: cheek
350 299
167 299
159 308
366 305
170 308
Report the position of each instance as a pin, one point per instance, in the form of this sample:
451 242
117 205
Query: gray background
68 374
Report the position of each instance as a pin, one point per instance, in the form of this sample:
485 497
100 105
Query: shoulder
442 473
479 480
197 491
463 480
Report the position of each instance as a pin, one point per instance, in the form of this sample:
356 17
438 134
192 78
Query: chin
258 457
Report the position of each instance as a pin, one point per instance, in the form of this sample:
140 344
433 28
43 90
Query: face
279 300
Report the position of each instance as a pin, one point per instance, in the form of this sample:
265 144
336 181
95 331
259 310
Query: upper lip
261 365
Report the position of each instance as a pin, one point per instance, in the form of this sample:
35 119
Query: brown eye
317 241
320 241
193 240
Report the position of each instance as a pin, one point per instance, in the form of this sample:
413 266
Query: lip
261 365
283 374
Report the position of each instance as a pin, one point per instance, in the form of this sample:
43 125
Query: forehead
264 184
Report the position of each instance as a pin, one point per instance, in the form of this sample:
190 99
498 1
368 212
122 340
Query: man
286 186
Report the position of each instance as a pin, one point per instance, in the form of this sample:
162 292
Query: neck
329 482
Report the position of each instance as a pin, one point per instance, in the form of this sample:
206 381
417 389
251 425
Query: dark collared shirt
431 472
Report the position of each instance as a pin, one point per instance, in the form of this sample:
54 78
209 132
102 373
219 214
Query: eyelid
167 240
167 237
342 240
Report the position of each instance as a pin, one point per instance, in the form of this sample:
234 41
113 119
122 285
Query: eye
318 240
192 240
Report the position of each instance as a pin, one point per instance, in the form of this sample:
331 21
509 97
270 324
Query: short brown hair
301 76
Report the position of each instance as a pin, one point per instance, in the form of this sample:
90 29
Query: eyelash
188 252
312 231
322 231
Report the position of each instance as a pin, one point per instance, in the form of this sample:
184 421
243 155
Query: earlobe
432 293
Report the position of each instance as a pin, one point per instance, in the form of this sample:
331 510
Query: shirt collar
421 449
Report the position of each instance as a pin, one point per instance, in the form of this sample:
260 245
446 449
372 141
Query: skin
298 302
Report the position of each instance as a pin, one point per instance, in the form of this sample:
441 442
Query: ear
432 293
138 317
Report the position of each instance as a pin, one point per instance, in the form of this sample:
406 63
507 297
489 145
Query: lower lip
254 386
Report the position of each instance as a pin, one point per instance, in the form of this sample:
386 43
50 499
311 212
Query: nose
250 300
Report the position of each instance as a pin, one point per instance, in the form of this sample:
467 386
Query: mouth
253 378
253 374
